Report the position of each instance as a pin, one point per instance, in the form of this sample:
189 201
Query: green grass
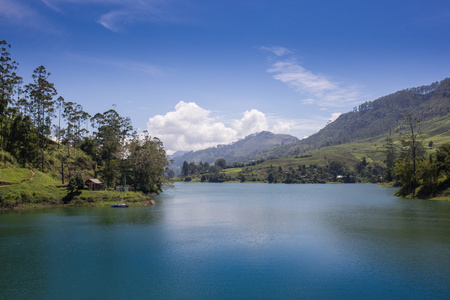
232 171
14 175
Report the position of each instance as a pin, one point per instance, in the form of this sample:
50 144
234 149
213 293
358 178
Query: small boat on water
119 205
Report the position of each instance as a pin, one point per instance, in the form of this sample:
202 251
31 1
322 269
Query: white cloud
118 14
190 127
14 10
317 88
283 126
253 121
24 14
277 50
334 116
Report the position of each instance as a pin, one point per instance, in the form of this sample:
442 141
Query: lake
233 240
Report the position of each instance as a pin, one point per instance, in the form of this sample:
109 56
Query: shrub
76 183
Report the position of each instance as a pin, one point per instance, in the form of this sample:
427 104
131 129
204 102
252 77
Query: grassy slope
14 176
43 190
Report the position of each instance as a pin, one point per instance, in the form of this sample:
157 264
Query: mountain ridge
240 151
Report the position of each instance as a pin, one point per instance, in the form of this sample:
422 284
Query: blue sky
197 73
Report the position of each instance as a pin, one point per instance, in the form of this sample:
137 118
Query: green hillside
379 118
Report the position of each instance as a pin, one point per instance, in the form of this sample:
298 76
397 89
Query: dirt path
2 184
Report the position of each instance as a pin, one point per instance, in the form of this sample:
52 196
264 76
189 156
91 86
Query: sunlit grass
14 175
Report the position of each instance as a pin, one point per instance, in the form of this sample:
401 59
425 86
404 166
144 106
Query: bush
76 183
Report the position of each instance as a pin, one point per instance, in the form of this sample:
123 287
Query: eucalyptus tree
149 162
390 158
8 81
74 115
112 132
41 93
412 151
60 103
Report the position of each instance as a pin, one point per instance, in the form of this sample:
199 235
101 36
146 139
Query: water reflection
233 241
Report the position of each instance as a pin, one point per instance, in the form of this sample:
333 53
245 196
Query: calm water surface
233 241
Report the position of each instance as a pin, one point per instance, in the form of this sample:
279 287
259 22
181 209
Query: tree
8 80
336 168
76 183
148 159
271 178
22 139
41 93
221 162
74 115
185 169
112 132
412 151
60 105
390 153
443 159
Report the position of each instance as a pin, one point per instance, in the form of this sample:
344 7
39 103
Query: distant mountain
430 104
241 151
178 154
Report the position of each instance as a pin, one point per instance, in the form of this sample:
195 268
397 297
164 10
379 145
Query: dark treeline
332 171
34 122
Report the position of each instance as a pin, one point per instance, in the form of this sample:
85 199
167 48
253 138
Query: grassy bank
44 191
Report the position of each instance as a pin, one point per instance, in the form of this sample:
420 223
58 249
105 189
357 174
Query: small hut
94 184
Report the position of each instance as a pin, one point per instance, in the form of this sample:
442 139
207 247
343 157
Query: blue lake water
233 241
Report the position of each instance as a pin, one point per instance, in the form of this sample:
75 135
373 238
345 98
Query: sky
198 73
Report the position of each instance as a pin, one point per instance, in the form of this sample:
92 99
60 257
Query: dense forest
42 130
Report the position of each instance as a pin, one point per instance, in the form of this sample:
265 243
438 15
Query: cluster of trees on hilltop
28 132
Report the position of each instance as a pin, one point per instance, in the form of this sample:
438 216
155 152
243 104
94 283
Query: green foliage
220 162
21 139
430 178
41 93
390 152
149 162
8 81
76 183
112 130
